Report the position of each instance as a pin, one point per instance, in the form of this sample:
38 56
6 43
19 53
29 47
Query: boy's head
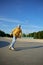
19 26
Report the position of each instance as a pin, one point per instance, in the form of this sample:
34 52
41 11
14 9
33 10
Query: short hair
19 26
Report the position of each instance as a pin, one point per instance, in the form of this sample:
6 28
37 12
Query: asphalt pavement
25 53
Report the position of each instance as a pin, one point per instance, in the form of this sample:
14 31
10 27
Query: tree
23 35
2 34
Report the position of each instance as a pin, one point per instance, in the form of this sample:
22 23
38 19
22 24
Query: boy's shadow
25 48
3 44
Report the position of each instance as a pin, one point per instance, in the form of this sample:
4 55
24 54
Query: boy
17 32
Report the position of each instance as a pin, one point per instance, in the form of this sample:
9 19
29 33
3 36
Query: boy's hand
10 34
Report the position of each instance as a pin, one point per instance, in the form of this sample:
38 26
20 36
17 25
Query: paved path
26 53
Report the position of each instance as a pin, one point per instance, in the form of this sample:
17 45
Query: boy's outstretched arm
20 34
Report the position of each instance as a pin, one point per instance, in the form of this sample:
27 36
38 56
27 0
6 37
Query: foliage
35 35
3 34
23 35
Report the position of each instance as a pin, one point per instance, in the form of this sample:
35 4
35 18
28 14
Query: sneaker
12 48
9 48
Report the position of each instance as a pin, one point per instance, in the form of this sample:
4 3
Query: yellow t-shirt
17 32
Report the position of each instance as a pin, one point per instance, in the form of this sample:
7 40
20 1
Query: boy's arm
20 34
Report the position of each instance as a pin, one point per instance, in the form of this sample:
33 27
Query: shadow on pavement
25 48
3 44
